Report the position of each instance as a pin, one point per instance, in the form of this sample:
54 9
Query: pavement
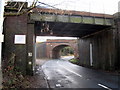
39 79
40 62
60 73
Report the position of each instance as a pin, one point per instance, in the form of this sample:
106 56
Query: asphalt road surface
63 74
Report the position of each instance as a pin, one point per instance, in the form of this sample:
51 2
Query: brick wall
15 25
51 46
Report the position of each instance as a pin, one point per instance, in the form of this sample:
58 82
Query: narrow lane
63 74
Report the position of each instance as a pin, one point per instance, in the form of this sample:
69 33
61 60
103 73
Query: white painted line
70 70
104 86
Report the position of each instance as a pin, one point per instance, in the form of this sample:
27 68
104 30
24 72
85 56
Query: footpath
38 80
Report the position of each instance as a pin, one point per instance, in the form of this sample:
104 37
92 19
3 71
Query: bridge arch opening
67 51
62 50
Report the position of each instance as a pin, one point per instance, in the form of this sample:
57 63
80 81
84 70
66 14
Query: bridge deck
52 15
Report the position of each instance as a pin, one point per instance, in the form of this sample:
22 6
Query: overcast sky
44 38
97 6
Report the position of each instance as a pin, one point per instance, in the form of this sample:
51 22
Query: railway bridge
98 34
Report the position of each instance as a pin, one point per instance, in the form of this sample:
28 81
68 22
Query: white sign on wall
20 39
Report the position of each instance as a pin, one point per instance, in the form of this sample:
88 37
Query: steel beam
71 19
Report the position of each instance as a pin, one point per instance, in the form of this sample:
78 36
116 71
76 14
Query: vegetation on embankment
67 51
74 61
12 77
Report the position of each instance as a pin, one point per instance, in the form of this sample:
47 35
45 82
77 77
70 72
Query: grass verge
74 61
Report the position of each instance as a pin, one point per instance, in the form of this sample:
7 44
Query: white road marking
104 86
70 70
81 76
